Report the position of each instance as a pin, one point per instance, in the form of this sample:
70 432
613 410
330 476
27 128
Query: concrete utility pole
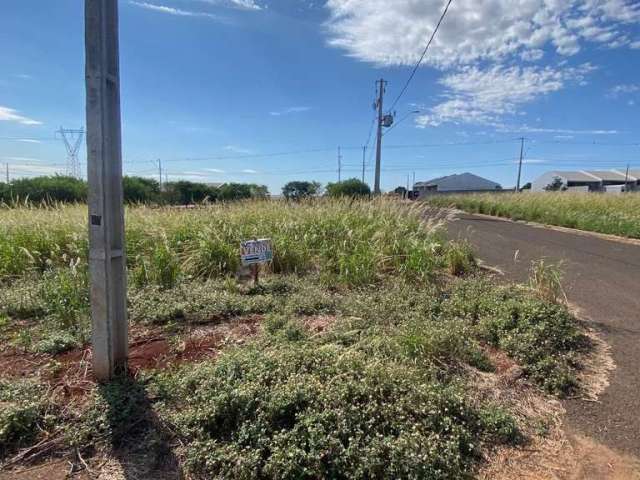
339 165
7 171
364 160
414 181
106 211
626 179
381 89
520 164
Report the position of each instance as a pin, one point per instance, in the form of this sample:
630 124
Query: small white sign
253 252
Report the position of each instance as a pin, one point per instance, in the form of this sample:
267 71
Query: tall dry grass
349 241
611 214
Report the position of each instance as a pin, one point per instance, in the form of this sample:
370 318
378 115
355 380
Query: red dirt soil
148 350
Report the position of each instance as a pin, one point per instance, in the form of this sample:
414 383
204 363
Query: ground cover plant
351 359
610 214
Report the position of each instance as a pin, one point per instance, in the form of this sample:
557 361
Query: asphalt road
602 277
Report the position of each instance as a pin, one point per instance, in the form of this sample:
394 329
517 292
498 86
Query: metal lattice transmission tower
72 140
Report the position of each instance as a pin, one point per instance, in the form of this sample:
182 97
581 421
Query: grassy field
356 357
612 214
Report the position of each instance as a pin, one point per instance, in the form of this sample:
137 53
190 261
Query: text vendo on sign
253 252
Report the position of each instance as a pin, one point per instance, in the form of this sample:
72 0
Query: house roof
460 182
634 173
594 176
608 175
575 176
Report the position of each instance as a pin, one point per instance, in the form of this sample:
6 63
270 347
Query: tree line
58 188
65 189
299 190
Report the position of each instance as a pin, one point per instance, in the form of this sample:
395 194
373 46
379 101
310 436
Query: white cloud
21 159
214 170
532 161
561 132
289 111
532 55
27 140
176 11
250 171
22 169
483 96
479 43
237 149
622 90
494 30
241 4
10 115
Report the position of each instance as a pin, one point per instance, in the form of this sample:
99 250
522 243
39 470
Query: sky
266 91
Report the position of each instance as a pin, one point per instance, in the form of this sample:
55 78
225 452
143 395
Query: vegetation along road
602 278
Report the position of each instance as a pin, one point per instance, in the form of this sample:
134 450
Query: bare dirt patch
551 452
319 324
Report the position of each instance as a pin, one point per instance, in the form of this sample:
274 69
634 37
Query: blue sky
266 91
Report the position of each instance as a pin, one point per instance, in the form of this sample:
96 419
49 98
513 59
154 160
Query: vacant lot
372 348
612 214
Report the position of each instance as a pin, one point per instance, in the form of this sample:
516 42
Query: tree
400 191
242 191
526 186
556 185
140 190
348 188
57 188
259 191
299 190
186 193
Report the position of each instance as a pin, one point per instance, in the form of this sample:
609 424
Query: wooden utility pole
104 172
381 89
364 160
160 174
339 165
520 164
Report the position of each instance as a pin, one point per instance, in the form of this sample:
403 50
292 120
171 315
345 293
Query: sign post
255 252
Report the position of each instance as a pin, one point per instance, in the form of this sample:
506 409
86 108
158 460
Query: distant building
589 180
458 183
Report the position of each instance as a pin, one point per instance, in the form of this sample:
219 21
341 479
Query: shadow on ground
141 447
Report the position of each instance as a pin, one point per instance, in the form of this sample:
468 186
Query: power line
424 53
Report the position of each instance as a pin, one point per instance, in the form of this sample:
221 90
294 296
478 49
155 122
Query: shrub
299 190
348 188
24 413
187 193
45 189
140 190
288 410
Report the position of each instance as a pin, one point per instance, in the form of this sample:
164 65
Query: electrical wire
399 122
424 53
